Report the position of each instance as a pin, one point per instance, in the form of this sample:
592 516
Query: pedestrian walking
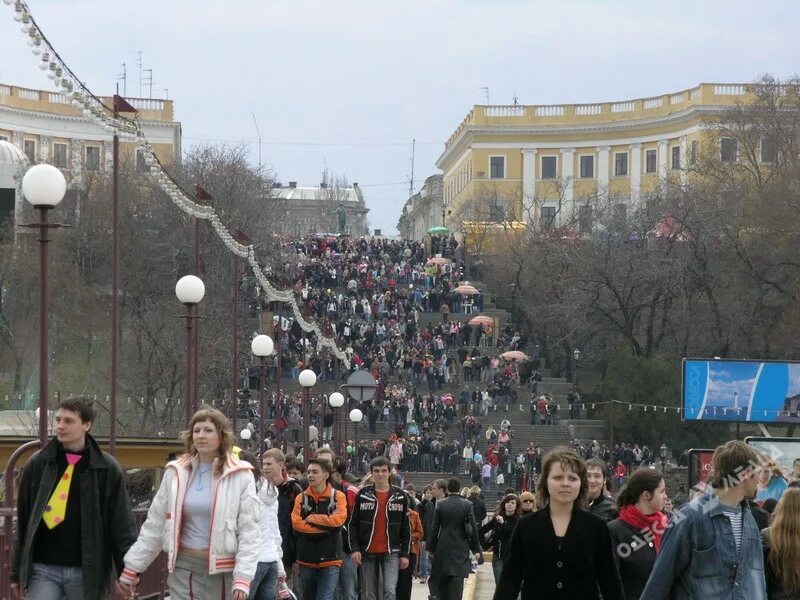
269 582
204 517
782 548
496 533
636 534
74 519
600 503
380 535
453 539
406 576
561 550
318 516
275 472
713 547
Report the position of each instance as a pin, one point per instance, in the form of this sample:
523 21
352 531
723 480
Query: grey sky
349 83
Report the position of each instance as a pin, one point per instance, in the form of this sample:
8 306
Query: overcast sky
347 84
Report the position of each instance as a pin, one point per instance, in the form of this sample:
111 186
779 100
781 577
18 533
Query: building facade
548 164
48 129
303 210
423 210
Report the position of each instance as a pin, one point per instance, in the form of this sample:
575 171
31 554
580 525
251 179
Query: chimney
377 231
323 186
292 184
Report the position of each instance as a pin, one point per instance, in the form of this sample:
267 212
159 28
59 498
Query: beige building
423 210
303 210
551 163
47 128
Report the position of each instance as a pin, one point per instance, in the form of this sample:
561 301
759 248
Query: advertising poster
741 390
784 451
699 465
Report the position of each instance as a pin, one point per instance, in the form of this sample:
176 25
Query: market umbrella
465 289
438 260
514 355
481 320
438 230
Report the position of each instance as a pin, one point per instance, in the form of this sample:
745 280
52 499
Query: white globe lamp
336 400
44 186
307 378
262 345
190 289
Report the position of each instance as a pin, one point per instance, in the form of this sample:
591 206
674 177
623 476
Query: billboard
783 451
741 390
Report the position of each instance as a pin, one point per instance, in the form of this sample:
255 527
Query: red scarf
650 525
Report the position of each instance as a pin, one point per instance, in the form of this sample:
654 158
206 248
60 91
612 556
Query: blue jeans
424 561
347 588
318 584
497 568
265 582
379 573
51 582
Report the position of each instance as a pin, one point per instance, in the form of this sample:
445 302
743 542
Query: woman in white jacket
205 517
270 572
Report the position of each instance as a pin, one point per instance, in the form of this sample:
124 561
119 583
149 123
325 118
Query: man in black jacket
454 532
380 534
599 503
74 519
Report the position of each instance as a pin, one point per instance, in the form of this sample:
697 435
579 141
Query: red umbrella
465 289
481 320
514 355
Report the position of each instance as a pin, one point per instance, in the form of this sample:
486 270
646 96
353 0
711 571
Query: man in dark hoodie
599 503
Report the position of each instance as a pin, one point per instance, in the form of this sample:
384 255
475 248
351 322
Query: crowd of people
235 525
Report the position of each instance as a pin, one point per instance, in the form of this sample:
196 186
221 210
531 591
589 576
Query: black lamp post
44 187
663 450
190 291
355 416
262 347
577 356
307 379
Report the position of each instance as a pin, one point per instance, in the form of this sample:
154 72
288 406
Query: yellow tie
56 508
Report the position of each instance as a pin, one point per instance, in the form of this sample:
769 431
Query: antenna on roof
413 155
124 78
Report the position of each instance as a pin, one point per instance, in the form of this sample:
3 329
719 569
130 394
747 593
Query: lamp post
355 416
44 187
190 291
307 379
577 356
336 400
663 450
262 347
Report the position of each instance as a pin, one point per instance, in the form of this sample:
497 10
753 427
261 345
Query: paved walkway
482 589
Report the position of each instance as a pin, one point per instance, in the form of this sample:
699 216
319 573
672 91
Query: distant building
423 210
303 210
46 128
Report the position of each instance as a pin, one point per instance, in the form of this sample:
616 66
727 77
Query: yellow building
46 127
550 163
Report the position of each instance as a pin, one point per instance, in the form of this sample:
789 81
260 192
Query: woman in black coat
636 534
561 551
478 504
497 532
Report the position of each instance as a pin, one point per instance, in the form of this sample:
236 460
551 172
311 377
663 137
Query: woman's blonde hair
784 541
465 492
221 424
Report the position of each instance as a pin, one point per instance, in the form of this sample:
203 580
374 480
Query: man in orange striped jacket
318 516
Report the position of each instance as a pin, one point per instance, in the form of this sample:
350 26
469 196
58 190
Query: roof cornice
73 118
584 128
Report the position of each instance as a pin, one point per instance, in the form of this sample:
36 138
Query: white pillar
603 155
684 162
636 171
528 176
567 177
663 152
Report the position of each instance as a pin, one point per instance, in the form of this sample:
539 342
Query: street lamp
262 347
44 187
577 356
336 400
355 416
190 291
663 450
307 379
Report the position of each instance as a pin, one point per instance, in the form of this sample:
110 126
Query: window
4 138
141 166
29 148
60 155
650 161
92 158
676 157
695 150
621 163
727 150
584 217
548 167
548 216
769 151
587 166
497 167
